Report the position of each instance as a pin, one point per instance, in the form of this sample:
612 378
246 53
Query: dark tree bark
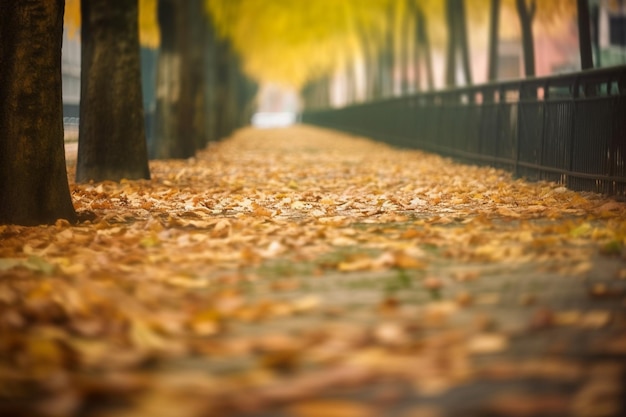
173 113
192 107
210 85
225 86
112 137
494 38
584 34
526 12
186 81
33 178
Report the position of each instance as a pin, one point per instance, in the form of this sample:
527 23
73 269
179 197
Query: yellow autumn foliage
148 26
294 41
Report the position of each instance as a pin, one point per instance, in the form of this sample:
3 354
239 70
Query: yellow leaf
143 337
206 323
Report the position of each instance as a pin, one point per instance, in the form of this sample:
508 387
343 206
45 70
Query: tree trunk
210 91
457 42
192 109
244 91
386 57
526 13
174 116
463 40
112 137
350 85
372 84
404 51
417 52
33 178
584 34
494 37
226 83
322 94
383 74
452 44
424 41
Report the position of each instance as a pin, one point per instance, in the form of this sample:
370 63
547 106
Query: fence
567 128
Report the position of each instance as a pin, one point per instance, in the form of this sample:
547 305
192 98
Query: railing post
570 164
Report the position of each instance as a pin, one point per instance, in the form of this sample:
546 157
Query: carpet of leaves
302 272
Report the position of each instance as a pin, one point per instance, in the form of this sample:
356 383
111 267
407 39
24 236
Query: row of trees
401 47
202 89
201 92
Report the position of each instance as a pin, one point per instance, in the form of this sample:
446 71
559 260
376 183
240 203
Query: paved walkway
443 289
302 272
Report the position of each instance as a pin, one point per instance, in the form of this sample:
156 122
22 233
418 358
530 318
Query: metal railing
567 128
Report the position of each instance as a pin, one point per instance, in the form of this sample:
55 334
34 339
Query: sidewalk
303 272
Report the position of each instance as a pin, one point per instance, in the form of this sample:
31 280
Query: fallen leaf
487 343
331 408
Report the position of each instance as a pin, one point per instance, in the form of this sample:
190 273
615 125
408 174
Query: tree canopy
294 41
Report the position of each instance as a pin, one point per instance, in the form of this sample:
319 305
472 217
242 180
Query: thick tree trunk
226 84
192 107
33 178
246 93
112 137
210 87
526 13
173 113
584 34
494 37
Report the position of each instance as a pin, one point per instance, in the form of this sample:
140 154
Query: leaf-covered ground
301 272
